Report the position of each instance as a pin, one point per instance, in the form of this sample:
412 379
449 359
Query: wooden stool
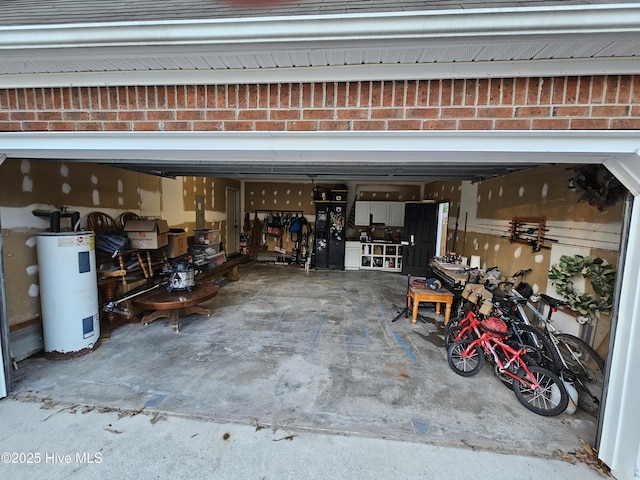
420 294
175 304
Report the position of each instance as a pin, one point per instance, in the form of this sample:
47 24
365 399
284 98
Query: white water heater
68 293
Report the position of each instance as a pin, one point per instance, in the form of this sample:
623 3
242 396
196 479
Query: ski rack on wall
529 230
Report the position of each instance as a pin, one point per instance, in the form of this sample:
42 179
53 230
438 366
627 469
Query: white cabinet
381 256
352 256
389 213
396 214
362 213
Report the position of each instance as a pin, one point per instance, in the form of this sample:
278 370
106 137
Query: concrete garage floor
311 352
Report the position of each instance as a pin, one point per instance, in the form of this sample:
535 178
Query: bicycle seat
552 302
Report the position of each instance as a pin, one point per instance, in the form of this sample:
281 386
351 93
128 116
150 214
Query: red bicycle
537 388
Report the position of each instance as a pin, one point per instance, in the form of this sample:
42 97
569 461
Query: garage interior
315 349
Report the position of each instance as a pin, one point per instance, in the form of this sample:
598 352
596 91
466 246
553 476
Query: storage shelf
381 256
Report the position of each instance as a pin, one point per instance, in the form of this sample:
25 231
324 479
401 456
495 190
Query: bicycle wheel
507 380
539 346
464 358
457 330
587 367
549 397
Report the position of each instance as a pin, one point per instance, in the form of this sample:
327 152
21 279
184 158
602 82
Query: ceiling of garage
89 43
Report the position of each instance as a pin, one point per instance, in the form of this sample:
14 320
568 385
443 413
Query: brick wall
598 102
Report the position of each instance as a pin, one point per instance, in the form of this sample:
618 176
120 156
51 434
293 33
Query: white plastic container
68 293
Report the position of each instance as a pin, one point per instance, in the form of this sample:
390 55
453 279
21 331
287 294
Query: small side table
176 304
420 294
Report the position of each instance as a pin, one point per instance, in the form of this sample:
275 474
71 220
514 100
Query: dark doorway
419 237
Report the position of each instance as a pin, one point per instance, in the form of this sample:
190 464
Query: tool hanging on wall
529 230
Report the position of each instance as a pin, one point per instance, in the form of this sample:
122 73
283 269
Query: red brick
117 126
221 114
285 114
366 87
423 113
49 116
458 92
584 90
30 98
471 92
517 124
508 91
270 126
130 116
369 125
446 93
176 126
545 91
410 96
482 97
495 112
399 92
180 95
439 125
22 116
330 95
94 99
571 90
610 110
624 89
422 97
381 113
84 93
9 127
496 91
352 113
318 114
458 112
207 126
354 94
221 96
253 114
146 126
200 96
520 91
533 111
550 124
252 96
114 98
404 124
611 89
533 91
589 123
625 124
571 111
376 94
597 88
62 126
302 126
35 126
103 93
635 89
190 115
232 126
318 95
103 116
387 89
557 95
161 115
232 96
307 95
274 94
475 124
88 126
4 116
296 101
330 125
4 99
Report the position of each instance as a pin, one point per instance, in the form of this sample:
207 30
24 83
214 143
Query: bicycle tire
453 331
462 363
587 367
545 353
549 400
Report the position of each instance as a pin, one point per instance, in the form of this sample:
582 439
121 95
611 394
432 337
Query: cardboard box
177 244
147 234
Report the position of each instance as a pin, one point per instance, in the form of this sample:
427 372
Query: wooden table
421 294
176 304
